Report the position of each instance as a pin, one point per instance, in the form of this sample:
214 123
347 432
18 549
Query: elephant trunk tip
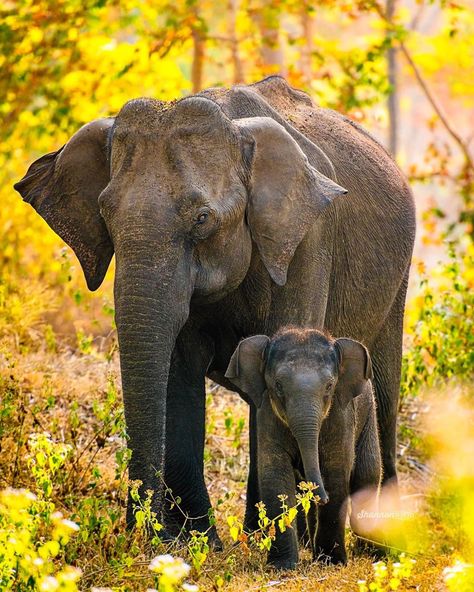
323 497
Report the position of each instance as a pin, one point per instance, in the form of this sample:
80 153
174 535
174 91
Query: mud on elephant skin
232 212
316 422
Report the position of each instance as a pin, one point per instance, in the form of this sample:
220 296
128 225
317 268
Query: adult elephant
226 220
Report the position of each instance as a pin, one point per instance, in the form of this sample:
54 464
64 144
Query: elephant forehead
298 347
202 154
191 139
303 363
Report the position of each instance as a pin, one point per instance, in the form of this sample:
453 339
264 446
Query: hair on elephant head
302 372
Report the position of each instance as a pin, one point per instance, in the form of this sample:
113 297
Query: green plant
33 537
234 428
145 517
45 459
440 327
263 537
198 547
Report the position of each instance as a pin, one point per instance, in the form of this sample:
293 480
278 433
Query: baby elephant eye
329 386
202 217
279 387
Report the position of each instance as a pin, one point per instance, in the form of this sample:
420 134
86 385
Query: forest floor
75 397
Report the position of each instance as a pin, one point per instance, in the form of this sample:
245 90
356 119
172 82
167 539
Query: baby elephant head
302 372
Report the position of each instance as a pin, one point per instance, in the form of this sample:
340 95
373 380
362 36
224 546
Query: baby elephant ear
246 369
355 367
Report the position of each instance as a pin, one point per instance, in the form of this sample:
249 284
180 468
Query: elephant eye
202 217
329 386
279 388
204 223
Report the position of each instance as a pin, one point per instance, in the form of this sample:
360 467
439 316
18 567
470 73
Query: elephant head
180 193
302 372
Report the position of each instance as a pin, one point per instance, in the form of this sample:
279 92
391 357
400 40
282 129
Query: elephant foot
282 564
166 537
335 556
363 546
283 559
214 540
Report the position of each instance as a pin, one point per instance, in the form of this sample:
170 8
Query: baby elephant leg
365 480
275 479
336 444
329 542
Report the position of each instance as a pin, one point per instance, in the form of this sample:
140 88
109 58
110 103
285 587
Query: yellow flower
173 570
63 528
48 584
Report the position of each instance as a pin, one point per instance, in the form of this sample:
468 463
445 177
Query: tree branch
428 94
436 107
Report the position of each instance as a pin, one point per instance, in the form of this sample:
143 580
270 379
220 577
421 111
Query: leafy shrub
440 324
23 304
33 536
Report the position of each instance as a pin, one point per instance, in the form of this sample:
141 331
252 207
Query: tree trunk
267 19
199 49
238 70
307 26
392 70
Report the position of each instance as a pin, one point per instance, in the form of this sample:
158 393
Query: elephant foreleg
185 433
337 457
275 480
329 542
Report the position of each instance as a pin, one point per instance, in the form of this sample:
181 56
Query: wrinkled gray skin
226 221
316 422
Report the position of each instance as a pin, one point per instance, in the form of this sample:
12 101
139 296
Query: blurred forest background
404 69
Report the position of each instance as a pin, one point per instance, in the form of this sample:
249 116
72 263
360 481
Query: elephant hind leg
386 353
365 479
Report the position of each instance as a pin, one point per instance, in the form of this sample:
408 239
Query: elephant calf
315 407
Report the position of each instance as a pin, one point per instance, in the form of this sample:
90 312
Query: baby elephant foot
334 556
214 540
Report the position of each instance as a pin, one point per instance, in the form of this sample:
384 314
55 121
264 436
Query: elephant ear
355 368
246 369
287 194
64 186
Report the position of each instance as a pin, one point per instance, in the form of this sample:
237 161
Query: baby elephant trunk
309 450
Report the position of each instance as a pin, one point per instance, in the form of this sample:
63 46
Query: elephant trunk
307 438
152 295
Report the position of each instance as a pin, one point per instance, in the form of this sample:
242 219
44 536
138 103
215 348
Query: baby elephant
316 422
